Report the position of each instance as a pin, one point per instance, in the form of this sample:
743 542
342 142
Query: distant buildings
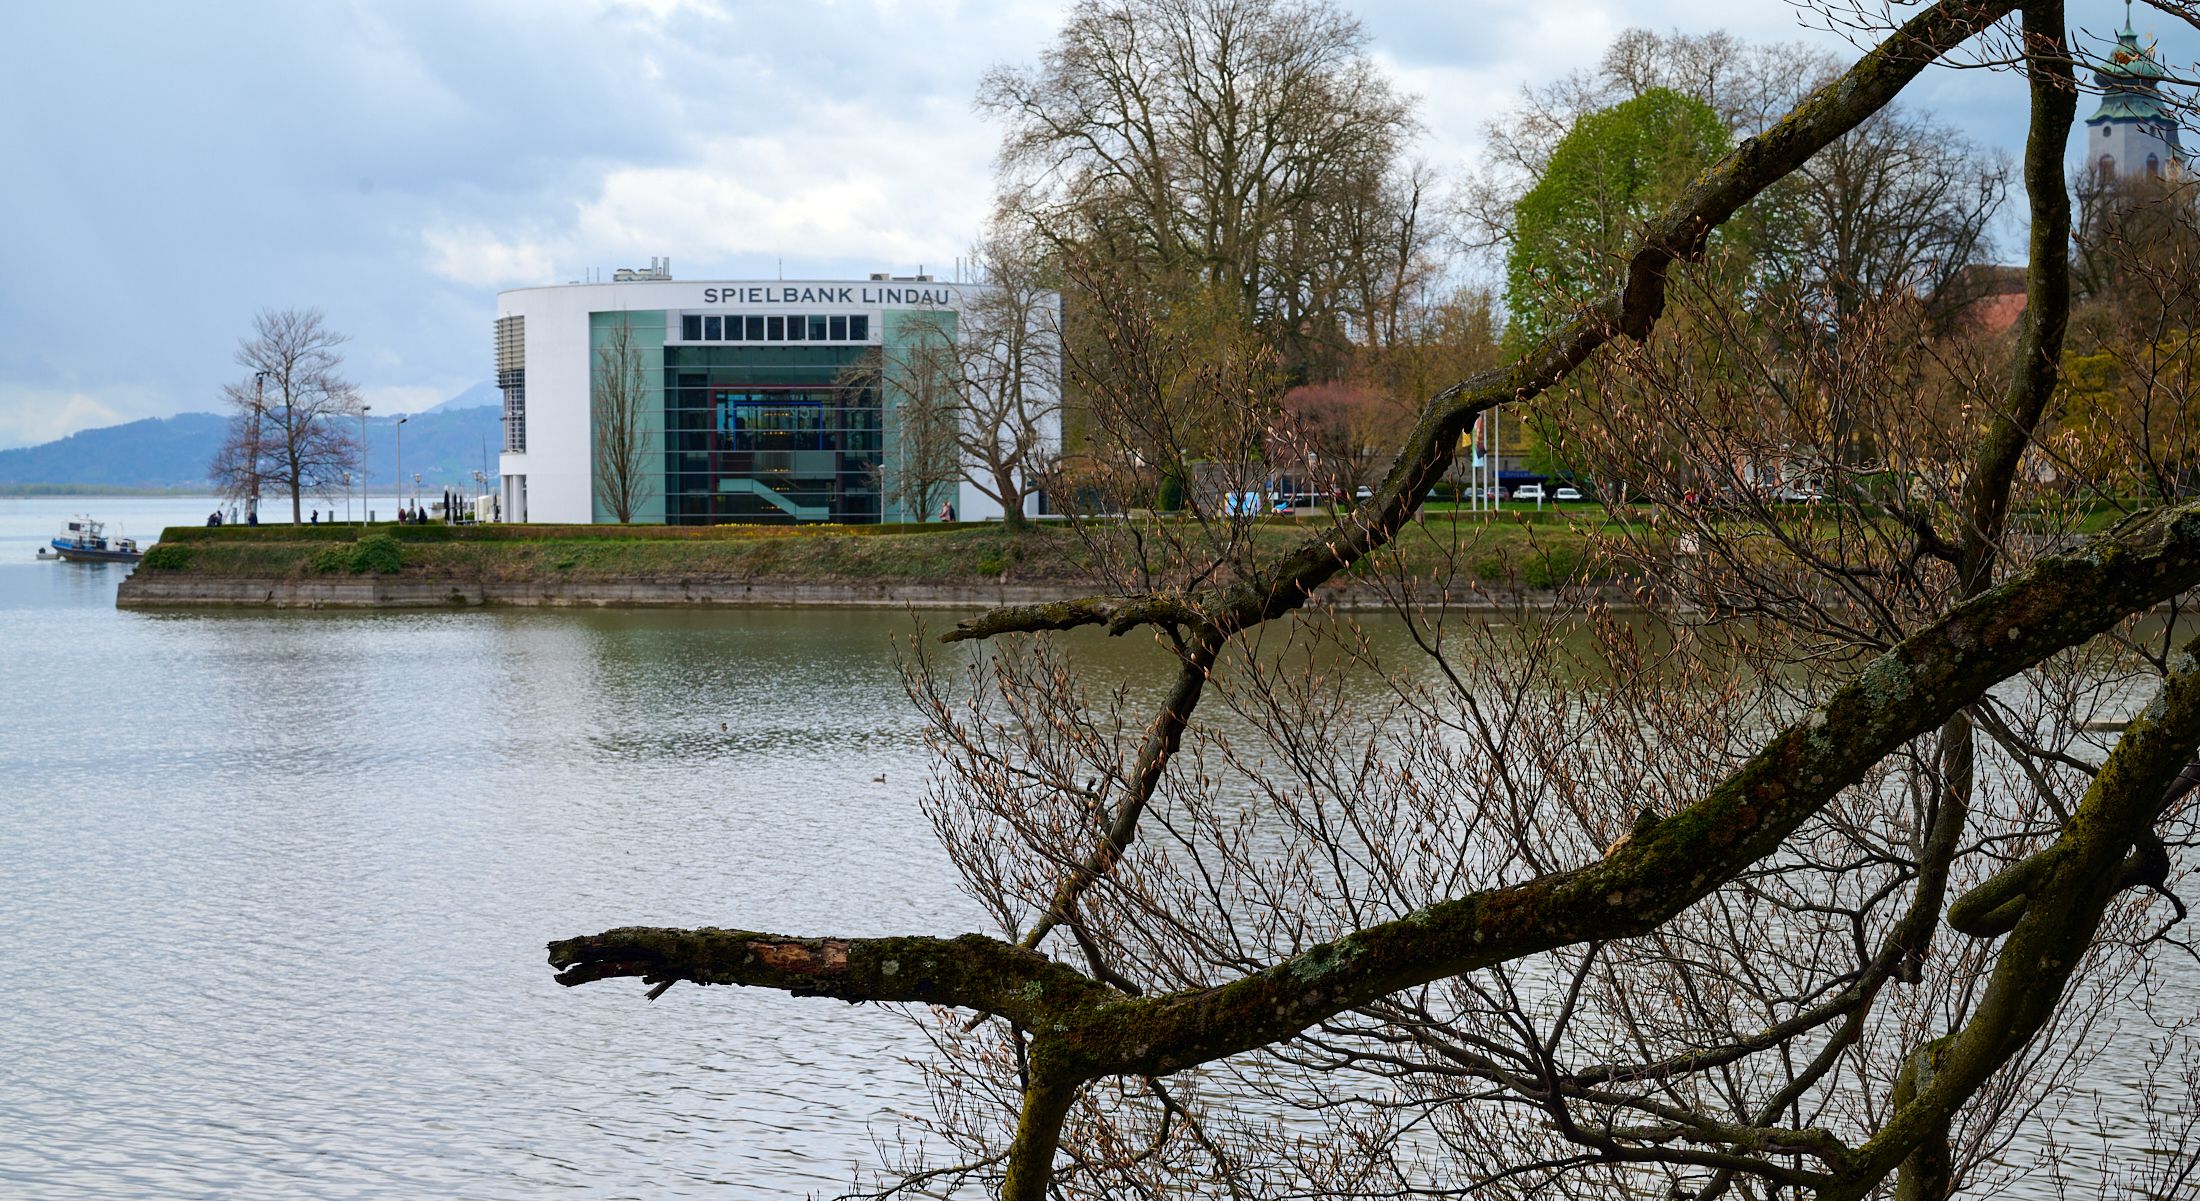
763 400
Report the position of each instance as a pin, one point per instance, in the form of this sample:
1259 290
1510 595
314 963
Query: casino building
761 400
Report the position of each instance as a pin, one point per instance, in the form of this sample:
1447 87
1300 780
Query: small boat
85 541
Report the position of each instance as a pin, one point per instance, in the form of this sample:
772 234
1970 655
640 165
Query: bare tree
620 407
1008 374
918 381
1241 143
1340 434
287 431
1826 903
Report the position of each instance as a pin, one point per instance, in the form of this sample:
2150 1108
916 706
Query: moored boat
85 541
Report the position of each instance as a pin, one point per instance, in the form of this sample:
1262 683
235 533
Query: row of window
2154 166
738 327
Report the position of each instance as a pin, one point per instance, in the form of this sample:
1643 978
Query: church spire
2134 131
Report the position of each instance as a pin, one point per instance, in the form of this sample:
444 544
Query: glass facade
772 434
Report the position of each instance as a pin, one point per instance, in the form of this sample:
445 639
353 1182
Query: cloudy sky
171 168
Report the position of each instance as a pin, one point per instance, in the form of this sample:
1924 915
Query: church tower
2133 133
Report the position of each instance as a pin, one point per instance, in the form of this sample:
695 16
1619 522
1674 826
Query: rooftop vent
659 268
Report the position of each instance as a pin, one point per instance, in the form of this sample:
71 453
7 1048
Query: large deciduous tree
1605 178
287 428
1824 903
1249 145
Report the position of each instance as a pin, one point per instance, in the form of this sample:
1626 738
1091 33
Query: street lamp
259 407
364 495
401 463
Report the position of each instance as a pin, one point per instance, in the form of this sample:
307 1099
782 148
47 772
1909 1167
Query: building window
794 329
733 329
691 328
817 329
859 328
511 354
2154 167
839 328
755 327
711 330
775 329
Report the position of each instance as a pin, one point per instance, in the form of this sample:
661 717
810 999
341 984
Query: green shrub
379 554
1556 566
163 557
329 560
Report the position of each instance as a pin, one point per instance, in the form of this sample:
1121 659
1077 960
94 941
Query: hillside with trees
172 453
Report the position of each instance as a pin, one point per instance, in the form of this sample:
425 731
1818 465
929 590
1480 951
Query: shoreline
967 566
167 591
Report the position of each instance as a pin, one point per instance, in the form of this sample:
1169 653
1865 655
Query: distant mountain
479 394
443 445
158 452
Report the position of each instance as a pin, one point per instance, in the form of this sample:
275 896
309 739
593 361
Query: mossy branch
968 972
1094 1030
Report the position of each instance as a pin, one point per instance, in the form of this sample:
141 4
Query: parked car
1529 492
1566 492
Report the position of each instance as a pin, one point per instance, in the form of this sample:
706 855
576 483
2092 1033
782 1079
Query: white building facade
2133 133
768 401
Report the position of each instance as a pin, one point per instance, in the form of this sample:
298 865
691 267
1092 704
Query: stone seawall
157 590
144 590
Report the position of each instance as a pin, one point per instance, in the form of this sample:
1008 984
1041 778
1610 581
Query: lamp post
259 408
364 495
401 463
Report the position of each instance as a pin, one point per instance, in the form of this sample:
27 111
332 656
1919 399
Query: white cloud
896 189
473 255
29 416
407 398
841 182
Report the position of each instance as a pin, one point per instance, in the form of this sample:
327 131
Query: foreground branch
1093 1030
969 972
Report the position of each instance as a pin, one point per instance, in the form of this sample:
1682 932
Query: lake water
274 889
275 886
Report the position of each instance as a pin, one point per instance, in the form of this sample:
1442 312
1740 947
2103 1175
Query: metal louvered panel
511 342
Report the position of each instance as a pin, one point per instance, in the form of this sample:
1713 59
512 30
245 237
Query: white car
1566 492
1528 492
